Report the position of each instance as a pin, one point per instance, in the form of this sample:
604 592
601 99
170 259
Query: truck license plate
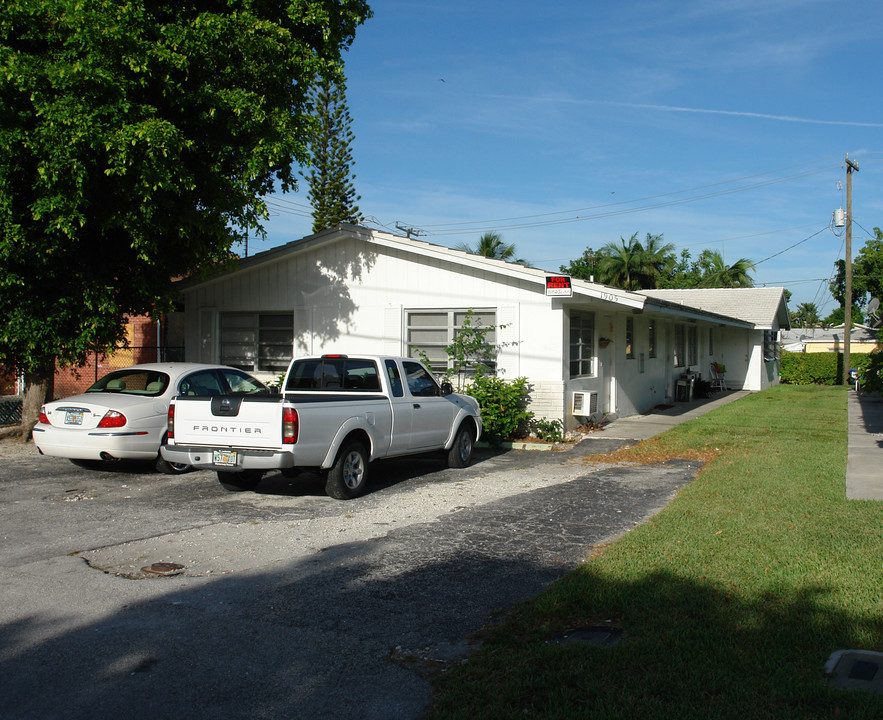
73 417
224 457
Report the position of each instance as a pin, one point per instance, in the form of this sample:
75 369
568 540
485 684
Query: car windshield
133 382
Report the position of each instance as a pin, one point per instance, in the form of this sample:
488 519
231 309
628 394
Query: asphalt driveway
287 604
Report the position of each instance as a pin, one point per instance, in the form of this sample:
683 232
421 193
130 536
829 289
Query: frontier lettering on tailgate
226 429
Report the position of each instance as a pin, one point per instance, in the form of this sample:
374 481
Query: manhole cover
855 670
598 635
163 568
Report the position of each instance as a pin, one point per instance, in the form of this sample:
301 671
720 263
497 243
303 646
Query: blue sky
566 125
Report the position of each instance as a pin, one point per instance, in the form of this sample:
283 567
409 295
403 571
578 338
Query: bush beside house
816 368
871 375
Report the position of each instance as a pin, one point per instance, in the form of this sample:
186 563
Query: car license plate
224 457
73 417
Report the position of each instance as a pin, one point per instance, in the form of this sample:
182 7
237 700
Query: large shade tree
838 290
136 140
585 267
867 269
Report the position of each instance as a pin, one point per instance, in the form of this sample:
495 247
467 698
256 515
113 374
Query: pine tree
332 191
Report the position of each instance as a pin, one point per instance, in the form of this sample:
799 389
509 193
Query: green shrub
503 404
870 377
817 368
548 430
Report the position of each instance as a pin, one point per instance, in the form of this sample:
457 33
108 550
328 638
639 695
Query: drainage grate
163 568
598 635
855 670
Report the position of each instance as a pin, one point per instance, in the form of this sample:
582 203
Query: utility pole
847 316
409 231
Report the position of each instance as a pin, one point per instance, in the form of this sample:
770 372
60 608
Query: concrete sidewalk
864 462
641 427
864 465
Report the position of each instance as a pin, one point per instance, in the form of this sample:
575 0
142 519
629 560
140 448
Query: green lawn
732 598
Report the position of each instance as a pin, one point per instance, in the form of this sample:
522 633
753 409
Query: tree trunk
38 390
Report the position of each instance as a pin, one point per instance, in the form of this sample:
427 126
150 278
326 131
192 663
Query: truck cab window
395 382
420 382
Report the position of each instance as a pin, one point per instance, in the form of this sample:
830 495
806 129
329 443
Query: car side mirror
447 388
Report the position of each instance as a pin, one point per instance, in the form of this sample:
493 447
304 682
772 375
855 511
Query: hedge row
817 368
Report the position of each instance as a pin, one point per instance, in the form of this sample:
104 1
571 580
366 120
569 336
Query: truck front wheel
239 481
460 454
348 476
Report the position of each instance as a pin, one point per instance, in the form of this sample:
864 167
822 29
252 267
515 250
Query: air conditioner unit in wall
584 404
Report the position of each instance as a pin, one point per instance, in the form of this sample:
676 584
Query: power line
485 225
791 247
649 197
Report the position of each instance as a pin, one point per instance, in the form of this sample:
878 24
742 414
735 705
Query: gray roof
858 334
761 307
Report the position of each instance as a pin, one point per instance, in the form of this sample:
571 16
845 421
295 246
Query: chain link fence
10 410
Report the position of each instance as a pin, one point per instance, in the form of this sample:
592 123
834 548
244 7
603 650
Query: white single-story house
356 290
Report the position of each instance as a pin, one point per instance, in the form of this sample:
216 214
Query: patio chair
718 372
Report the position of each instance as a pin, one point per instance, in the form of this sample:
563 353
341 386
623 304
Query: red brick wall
7 383
141 334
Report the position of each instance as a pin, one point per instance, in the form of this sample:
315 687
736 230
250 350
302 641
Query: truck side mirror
447 388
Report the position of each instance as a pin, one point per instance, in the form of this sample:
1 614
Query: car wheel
171 468
87 464
460 454
239 481
348 476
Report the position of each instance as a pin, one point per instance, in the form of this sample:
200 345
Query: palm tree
491 245
660 255
721 275
806 315
625 265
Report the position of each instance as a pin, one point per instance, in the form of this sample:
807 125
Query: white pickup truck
335 414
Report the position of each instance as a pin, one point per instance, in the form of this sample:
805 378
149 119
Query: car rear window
132 382
350 374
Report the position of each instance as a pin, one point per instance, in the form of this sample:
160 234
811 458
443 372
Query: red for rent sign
558 286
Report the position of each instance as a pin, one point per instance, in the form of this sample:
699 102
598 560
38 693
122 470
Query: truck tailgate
229 421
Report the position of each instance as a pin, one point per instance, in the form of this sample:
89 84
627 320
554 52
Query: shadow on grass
690 651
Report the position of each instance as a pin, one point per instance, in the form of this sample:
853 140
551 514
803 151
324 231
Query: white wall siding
351 297
547 400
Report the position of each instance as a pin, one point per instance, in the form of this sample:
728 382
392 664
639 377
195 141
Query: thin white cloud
742 113
704 111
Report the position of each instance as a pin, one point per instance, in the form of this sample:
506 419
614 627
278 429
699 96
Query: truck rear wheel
348 476
239 481
460 454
